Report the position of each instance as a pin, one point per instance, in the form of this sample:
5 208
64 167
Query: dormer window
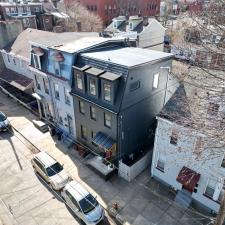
130 26
107 92
115 24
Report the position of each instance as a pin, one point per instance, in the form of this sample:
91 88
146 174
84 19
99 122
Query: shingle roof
177 108
21 45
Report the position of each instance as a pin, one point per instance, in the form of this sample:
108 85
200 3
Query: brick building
108 9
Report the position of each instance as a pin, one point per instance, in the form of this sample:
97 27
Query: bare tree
80 19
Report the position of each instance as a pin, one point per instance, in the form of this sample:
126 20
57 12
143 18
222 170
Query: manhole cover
1 104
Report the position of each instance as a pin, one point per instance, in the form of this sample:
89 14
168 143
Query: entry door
70 124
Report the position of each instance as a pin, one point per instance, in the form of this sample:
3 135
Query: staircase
43 127
184 198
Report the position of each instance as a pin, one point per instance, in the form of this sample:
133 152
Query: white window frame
67 96
155 82
38 61
79 81
92 87
56 89
107 98
91 113
109 125
7 10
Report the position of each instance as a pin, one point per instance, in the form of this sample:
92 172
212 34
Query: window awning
104 141
188 178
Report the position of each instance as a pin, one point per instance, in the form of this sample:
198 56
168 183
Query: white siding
182 154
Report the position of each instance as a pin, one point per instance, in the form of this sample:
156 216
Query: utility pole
221 214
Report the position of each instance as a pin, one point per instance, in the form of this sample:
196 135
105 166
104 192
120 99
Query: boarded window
174 137
213 109
199 146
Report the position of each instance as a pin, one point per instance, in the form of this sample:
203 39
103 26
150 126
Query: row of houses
36 15
113 99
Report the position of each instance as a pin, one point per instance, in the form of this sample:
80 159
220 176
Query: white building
17 58
189 142
149 33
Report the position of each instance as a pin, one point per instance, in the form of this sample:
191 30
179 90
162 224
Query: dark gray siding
140 107
93 125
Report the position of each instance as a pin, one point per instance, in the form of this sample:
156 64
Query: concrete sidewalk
141 202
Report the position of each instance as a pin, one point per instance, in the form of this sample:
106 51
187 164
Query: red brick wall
108 9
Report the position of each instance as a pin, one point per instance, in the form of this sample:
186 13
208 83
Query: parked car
82 203
50 170
4 122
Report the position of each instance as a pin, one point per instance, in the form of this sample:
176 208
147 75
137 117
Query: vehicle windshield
54 169
2 117
88 203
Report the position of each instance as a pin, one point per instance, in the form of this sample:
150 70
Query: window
60 120
36 60
79 81
81 107
93 134
83 132
155 81
37 9
107 92
38 85
28 9
210 188
57 68
45 81
135 85
13 10
95 8
20 10
107 120
8 58
92 83
57 91
93 113
174 137
131 26
67 96
213 109
115 24
160 163
7 11
26 22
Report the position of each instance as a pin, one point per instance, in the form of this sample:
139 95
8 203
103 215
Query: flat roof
83 43
110 76
129 56
76 190
94 71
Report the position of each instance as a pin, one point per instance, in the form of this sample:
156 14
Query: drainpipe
167 68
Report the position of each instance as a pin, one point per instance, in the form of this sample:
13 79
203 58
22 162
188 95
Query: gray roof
110 76
63 40
128 57
177 108
94 71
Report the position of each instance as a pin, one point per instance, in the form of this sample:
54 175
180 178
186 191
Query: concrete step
40 125
184 198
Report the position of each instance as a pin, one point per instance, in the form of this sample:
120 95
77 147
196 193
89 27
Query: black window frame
91 113
82 112
105 120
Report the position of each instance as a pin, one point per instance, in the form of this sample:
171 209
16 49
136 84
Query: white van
82 203
50 170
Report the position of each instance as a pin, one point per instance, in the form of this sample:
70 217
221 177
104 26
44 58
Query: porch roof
188 178
103 140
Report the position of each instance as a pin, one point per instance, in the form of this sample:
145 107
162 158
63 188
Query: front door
70 124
